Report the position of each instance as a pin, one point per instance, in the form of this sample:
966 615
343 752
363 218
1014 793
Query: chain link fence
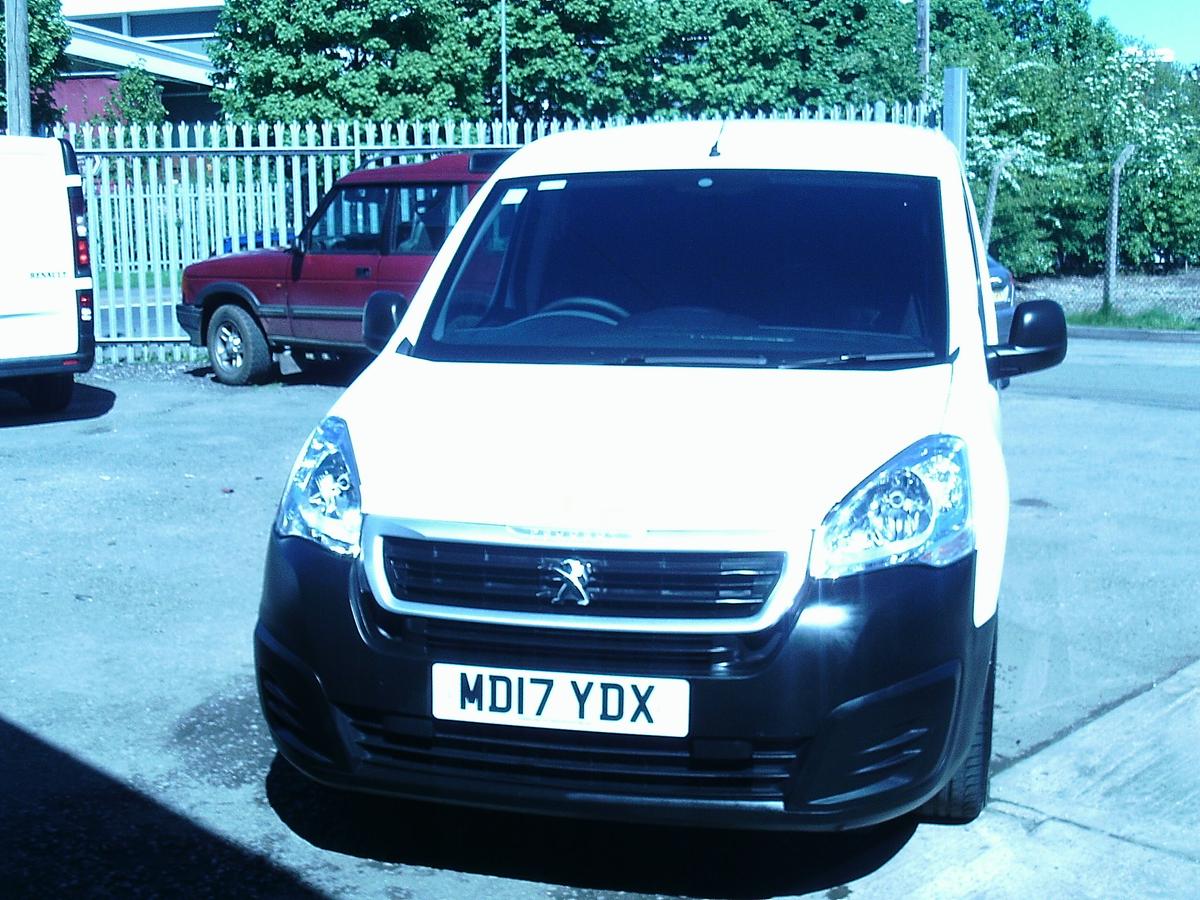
1162 290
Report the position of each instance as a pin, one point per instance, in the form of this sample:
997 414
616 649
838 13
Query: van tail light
79 237
86 306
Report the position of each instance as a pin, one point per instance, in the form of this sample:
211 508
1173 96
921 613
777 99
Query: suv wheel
966 794
237 347
49 393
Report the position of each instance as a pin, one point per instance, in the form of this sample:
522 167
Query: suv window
683 267
352 222
424 216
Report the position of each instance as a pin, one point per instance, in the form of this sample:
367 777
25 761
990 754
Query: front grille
619 583
577 649
664 767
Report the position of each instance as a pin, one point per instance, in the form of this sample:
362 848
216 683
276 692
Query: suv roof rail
482 159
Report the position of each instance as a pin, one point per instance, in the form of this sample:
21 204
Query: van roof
742 144
20 144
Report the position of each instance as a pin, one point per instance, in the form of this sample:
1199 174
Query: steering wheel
585 307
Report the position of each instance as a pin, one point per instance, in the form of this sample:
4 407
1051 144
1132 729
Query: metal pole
1110 249
923 47
954 109
504 66
993 187
16 63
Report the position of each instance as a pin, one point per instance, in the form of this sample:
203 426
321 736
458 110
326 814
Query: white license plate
615 704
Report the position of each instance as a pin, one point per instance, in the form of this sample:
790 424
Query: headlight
914 509
322 501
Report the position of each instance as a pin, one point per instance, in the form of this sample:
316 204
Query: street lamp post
923 47
504 67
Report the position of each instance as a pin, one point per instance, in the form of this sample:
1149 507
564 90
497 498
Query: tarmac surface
134 762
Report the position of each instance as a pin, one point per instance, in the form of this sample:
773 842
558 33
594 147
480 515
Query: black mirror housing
381 315
1038 340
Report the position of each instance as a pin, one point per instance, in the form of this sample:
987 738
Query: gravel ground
1178 292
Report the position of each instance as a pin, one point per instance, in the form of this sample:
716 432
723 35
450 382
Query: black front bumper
805 726
189 318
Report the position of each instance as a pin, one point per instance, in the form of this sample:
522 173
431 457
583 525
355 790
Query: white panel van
46 301
677 495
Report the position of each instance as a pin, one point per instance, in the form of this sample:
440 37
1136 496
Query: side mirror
1037 340
381 315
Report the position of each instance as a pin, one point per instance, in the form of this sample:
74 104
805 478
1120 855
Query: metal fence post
993 186
954 109
1110 237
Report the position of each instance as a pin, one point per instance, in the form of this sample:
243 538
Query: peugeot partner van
46 309
676 496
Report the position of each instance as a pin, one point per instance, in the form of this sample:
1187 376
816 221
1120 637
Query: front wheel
966 793
237 347
49 393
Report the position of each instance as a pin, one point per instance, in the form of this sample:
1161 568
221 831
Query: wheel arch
223 293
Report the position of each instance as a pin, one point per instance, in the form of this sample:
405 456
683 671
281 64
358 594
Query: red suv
377 230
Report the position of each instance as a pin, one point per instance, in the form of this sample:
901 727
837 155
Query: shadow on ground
326 373
579 854
87 402
68 830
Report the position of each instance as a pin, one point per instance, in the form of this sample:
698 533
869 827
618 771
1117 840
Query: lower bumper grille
607 763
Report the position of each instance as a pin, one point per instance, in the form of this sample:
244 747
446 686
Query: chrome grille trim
794 546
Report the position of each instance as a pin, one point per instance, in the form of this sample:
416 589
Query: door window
352 222
424 216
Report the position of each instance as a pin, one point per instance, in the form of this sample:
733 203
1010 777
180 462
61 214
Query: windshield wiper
815 362
697 360
854 359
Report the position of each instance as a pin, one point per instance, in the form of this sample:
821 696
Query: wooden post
1110 243
16 64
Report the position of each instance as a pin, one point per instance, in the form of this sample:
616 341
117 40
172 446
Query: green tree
137 100
48 38
724 57
576 58
1053 94
325 59
1067 99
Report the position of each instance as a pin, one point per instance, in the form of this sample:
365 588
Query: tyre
49 393
237 347
966 794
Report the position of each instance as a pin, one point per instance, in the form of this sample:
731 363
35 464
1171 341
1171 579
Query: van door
340 265
38 313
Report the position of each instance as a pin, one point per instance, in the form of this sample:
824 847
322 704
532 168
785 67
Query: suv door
340 266
423 216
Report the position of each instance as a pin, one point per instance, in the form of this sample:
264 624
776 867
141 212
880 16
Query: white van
677 495
46 308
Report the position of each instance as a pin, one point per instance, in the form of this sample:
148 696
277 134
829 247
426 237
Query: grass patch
1158 319
133 280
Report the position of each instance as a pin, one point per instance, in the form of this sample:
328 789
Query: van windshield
738 268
